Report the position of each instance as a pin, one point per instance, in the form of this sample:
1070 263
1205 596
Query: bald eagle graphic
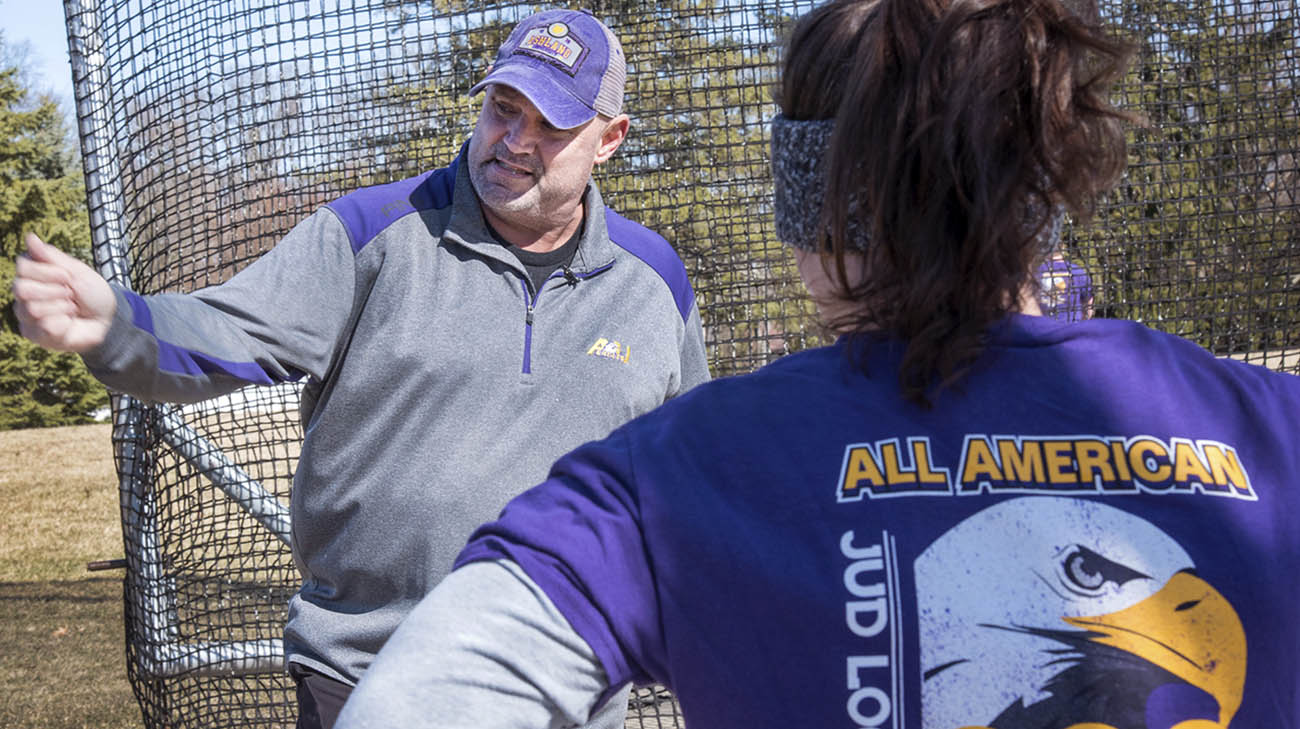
1058 613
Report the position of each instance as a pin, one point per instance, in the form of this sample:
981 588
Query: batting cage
210 127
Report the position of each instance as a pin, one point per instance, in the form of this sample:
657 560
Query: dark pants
320 698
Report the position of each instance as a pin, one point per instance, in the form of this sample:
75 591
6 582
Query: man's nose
521 135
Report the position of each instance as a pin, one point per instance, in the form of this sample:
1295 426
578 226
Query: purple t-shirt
1066 290
1099 527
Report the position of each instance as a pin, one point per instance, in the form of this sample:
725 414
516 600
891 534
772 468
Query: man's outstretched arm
278 319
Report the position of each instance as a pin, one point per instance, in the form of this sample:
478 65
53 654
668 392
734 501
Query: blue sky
39 23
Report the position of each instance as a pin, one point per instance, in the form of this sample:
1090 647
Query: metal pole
162 655
243 489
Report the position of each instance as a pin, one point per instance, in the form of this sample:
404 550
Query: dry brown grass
62 661
59 497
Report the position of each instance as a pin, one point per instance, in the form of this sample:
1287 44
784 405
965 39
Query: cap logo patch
554 44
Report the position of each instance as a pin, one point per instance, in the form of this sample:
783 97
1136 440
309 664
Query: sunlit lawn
62 661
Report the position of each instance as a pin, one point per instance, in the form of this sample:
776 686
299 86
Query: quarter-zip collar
468 228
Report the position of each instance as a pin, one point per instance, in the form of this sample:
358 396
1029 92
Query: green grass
62 659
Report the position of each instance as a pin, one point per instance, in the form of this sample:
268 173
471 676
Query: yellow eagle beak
1189 630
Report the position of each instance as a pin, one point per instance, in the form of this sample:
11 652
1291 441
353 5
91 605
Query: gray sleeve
695 362
485 650
280 318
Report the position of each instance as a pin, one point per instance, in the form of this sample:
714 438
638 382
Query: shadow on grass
43 592
64 661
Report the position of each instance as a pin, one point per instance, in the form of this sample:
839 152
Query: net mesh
209 127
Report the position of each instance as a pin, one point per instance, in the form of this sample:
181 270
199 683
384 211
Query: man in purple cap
458 332
1066 289
551 112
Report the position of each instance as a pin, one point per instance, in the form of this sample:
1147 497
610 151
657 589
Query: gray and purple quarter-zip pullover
439 383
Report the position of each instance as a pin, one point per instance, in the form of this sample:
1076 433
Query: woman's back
1090 530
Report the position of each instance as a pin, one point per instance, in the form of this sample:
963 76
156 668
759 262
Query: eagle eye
1086 572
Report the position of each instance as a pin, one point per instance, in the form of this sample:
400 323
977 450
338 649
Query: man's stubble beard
540 205
524 207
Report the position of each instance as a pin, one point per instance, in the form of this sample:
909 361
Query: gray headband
799 177
798 149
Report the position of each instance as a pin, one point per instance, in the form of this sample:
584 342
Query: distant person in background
1066 289
961 514
458 332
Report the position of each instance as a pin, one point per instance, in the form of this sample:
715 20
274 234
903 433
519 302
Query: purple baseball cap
567 63
1066 290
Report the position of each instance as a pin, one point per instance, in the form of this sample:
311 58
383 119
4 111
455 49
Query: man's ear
613 136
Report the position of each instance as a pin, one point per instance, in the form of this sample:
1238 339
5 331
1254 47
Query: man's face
527 172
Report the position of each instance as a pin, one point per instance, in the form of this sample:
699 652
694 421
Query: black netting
210 127
1203 239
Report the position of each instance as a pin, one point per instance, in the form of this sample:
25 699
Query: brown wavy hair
960 127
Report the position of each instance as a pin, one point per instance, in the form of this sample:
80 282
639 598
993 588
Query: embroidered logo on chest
610 349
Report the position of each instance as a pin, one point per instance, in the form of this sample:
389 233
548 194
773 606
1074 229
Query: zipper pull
528 317
570 276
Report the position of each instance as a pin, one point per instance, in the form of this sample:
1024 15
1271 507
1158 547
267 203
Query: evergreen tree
41 190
